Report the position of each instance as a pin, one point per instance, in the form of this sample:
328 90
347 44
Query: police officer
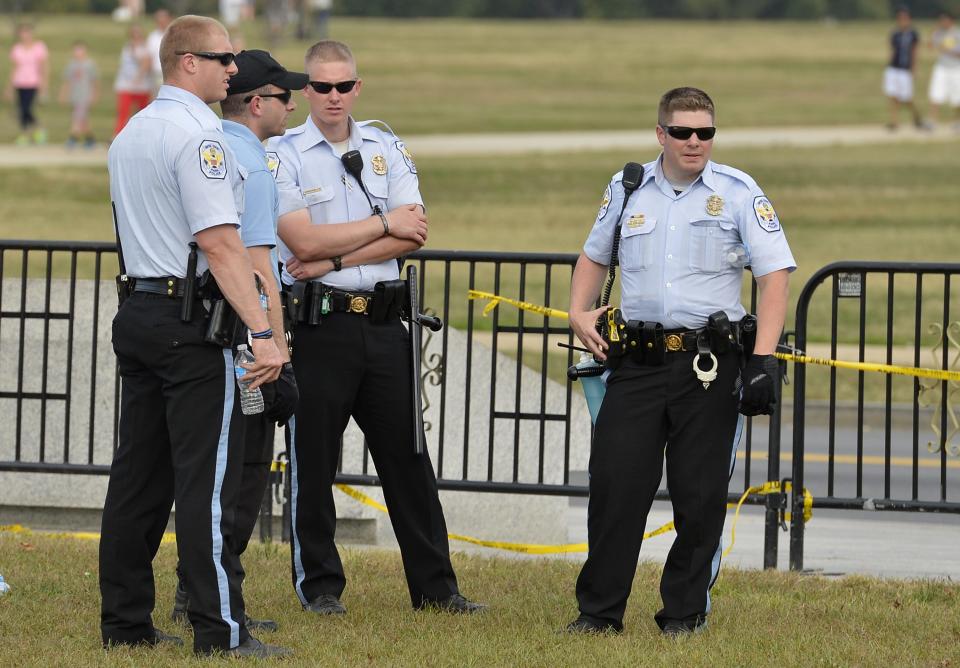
348 363
180 434
686 233
256 108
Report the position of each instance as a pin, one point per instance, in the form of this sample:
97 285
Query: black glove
284 402
760 378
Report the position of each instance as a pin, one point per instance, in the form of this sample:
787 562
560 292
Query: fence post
774 502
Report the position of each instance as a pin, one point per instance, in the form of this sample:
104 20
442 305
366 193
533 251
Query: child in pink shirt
29 77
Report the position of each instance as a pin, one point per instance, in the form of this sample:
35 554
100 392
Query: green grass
438 76
759 618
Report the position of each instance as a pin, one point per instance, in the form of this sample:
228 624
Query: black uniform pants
257 458
180 439
644 410
346 367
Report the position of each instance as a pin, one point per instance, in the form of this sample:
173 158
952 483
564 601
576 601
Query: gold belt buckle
674 342
358 305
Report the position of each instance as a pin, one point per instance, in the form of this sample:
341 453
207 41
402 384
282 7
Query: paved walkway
519 143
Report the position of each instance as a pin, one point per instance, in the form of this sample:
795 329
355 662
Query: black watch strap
337 262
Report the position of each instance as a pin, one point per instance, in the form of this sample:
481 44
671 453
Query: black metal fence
501 415
873 441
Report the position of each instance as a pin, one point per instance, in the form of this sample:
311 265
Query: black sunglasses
283 97
224 57
683 133
325 87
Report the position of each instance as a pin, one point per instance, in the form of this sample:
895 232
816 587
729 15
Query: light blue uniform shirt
261 200
171 176
311 176
682 256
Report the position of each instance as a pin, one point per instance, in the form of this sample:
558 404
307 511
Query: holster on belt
653 344
747 335
224 327
388 299
125 285
613 330
720 331
293 302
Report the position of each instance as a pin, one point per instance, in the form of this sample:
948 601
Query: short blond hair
683 99
187 33
330 51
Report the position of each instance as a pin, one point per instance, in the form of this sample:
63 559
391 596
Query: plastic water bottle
737 256
251 401
4 587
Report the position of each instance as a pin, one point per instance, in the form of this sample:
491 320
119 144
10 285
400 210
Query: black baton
417 320
189 285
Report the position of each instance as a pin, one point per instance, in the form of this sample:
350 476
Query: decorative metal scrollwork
432 367
931 392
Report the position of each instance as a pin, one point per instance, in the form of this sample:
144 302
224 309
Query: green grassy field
51 616
438 76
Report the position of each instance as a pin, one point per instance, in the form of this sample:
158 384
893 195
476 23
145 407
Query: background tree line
547 9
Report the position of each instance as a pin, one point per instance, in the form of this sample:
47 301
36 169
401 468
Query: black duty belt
342 301
681 340
169 286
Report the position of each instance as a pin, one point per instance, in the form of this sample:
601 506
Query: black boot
181 602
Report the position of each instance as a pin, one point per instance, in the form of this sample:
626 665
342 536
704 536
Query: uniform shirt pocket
711 241
379 189
636 245
316 194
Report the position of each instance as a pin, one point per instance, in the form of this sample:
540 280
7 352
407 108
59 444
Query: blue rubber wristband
265 334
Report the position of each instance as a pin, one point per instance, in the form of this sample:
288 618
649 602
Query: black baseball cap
257 68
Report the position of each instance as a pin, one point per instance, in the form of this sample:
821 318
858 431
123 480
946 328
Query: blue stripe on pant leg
216 509
294 489
715 565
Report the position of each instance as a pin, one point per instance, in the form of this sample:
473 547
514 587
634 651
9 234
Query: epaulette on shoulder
377 126
735 174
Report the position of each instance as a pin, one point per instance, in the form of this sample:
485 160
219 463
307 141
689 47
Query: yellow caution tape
526 548
937 374
773 487
79 535
523 306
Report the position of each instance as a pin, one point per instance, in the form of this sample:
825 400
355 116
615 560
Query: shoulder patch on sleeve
273 163
766 215
605 203
407 158
212 160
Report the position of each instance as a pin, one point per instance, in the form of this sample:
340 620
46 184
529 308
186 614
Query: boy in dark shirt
898 77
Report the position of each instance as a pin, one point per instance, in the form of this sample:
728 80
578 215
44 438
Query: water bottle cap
242 346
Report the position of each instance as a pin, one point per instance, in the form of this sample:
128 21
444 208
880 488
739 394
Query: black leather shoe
456 604
180 604
674 628
161 638
259 624
583 625
326 604
254 649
